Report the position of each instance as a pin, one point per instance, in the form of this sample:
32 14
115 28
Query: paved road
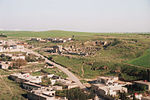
65 70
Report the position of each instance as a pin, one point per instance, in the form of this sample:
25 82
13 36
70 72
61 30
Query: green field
45 34
77 65
59 33
143 60
54 71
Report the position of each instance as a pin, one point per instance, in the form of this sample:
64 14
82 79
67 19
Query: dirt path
82 69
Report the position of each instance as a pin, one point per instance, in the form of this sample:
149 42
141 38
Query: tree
61 93
76 94
123 96
19 62
46 81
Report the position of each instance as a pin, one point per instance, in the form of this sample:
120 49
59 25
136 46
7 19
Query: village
15 56
67 47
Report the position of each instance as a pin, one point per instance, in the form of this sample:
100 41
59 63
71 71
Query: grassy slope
143 60
125 51
53 33
75 64
5 92
43 34
116 54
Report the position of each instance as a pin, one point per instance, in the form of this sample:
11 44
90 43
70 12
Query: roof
148 97
142 82
28 77
32 84
43 92
107 77
106 88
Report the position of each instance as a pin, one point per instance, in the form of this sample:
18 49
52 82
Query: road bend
65 70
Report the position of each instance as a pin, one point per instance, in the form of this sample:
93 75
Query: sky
76 15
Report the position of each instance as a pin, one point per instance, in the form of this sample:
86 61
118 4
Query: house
30 86
36 39
57 87
55 49
5 65
107 80
105 90
3 42
11 48
145 98
20 78
1 48
72 85
69 39
138 96
53 82
143 83
109 87
64 81
18 57
58 41
69 84
20 47
43 93
50 75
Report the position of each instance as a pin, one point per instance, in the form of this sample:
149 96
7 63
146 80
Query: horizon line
17 30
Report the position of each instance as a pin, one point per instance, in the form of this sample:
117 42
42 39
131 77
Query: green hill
143 60
53 33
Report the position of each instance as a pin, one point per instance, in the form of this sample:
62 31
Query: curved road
65 70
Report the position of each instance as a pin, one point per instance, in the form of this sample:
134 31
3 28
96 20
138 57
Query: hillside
121 57
53 33
143 60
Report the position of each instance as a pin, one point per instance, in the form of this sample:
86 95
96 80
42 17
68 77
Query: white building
26 77
109 86
1 48
107 80
18 57
36 39
53 82
12 48
42 94
64 82
57 87
4 65
72 85
68 83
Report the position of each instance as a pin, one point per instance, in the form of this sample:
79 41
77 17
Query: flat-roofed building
42 94
108 87
30 86
18 57
143 83
57 87
107 80
5 65
18 77
145 98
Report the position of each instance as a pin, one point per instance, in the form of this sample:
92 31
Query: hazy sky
76 15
